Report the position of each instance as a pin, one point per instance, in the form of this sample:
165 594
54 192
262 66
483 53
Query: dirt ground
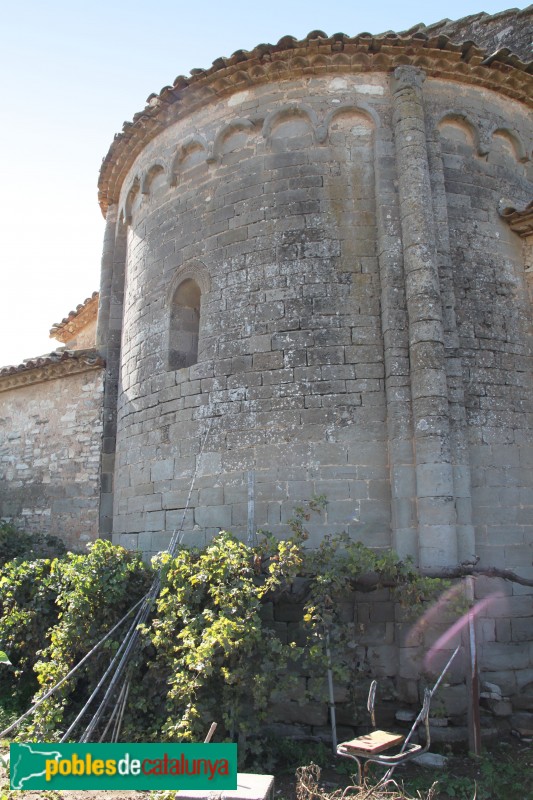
461 776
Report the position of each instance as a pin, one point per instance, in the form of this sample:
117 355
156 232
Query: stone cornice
520 221
50 367
70 325
317 54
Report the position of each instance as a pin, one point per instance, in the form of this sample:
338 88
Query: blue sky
70 74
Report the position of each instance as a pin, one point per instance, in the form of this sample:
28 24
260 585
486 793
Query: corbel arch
235 126
193 147
150 175
519 217
462 120
194 269
512 136
284 114
360 109
131 197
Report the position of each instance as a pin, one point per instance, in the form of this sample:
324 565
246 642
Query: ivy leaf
3 658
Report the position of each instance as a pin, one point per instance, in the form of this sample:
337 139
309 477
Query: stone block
249 787
179 519
210 496
522 722
522 629
434 480
178 499
128 541
154 521
162 470
383 660
448 735
343 512
213 517
498 656
453 699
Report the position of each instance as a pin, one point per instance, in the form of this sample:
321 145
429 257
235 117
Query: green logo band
123 766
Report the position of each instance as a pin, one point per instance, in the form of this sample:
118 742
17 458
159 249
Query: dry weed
308 788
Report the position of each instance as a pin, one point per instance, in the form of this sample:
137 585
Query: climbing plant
56 611
26 546
205 653
27 613
208 635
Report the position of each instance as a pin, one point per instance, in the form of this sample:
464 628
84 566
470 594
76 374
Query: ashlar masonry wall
334 209
281 232
50 443
493 337
337 355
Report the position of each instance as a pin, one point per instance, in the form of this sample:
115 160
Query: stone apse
316 267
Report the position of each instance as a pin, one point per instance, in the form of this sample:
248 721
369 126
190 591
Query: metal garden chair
375 746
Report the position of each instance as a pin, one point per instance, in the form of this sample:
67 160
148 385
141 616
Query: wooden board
371 743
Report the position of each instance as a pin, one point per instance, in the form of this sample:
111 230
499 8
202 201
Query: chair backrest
371 702
424 713
423 717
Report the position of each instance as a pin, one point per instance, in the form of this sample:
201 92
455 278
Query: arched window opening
184 325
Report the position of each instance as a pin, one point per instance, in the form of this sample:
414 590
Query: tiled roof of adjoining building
75 320
46 367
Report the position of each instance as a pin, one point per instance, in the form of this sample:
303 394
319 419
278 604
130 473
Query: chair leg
358 775
388 774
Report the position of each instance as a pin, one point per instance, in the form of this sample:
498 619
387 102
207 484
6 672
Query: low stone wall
391 645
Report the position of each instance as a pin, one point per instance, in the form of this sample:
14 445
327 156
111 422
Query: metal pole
251 508
331 698
472 675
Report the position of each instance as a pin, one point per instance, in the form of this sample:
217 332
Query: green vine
206 652
89 594
207 631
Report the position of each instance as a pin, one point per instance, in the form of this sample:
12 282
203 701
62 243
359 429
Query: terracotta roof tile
46 367
519 220
464 62
85 312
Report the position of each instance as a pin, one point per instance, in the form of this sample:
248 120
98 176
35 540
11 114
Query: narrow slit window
184 325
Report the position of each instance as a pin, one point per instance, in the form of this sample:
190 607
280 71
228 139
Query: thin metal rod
472 675
445 670
51 691
432 692
130 643
104 677
133 637
109 721
176 536
331 697
150 596
210 732
251 508
122 701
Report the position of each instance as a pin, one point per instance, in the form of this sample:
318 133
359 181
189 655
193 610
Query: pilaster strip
394 326
429 389
454 368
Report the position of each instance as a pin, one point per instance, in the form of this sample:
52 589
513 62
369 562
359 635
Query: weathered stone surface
522 722
50 444
317 271
431 761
